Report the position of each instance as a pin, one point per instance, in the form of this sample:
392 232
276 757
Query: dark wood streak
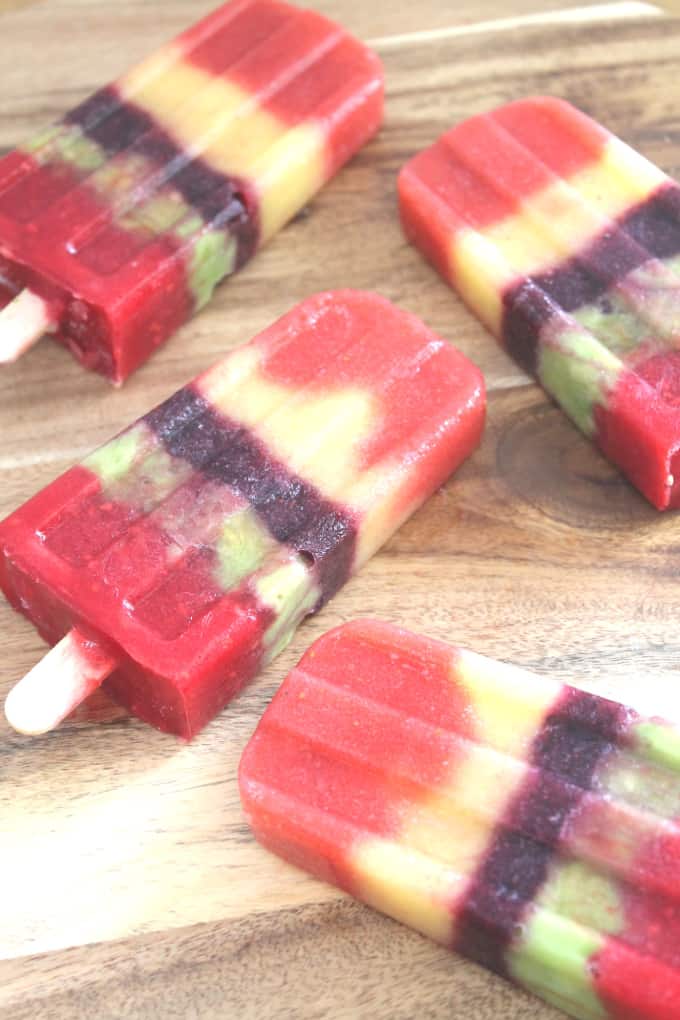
545 459
342 961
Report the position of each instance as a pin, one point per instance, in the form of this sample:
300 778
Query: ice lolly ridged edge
600 224
586 377
523 947
308 150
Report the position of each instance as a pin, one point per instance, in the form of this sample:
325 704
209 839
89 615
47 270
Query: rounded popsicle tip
56 685
22 323
25 716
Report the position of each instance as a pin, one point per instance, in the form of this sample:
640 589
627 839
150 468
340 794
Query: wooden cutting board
129 883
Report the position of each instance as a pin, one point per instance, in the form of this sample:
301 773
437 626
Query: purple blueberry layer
650 230
294 512
574 739
223 201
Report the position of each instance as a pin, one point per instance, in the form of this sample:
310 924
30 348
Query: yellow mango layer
551 225
443 836
225 125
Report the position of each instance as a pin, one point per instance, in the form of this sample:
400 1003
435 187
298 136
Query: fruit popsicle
117 223
180 557
565 242
529 825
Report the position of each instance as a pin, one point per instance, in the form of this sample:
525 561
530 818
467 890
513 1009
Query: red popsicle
181 556
532 826
566 243
117 223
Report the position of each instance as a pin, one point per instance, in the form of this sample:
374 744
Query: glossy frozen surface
196 540
126 214
566 243
530 825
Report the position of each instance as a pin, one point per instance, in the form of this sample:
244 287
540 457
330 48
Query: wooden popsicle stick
22 322
63 678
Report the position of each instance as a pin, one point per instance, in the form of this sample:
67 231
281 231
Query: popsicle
565 242
179 558
529 825
117 223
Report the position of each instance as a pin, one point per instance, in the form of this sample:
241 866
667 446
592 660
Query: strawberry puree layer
173 651
359 731
639 429
117 297
426 365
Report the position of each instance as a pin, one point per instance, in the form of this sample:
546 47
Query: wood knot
558 470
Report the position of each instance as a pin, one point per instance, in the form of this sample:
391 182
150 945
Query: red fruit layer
413 718
445 378
637 975
179 664
430 390
340 83
441 191
132 291
639 429
634 985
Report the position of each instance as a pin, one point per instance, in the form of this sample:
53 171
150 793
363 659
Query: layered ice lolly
179 558
566 244
117 223
529 825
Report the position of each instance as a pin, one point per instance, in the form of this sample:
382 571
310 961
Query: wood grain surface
129 883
